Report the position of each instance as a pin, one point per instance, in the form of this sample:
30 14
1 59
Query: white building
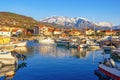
5 33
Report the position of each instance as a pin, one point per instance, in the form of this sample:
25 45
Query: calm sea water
48 62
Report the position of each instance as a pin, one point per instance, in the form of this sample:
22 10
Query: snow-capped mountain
104 24
116 27
77 22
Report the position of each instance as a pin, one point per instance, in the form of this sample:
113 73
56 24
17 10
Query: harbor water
48 62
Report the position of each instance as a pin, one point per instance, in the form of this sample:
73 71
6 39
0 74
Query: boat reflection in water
28 52
9 71
82 53
60 51
53 51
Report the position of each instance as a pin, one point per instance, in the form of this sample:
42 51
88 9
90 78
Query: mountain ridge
77 22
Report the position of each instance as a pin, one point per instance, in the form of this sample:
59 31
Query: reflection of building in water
62 52
26 51
52 50
9 71
82 53
47 49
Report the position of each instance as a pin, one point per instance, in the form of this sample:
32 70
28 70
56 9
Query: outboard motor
112 62
109 62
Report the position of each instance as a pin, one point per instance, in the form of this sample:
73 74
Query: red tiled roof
4 30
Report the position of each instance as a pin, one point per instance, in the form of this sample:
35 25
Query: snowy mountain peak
78 22
103 24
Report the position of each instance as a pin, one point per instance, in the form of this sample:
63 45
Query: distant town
42 30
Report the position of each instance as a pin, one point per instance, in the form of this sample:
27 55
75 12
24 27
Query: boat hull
6 58
111 72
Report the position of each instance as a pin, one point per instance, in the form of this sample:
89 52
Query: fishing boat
109 68
6 58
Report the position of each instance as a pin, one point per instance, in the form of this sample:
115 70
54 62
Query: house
4 32
13 32
36 30
89 31
29 31
17 31
110 32
57 31
118 32
49 31
74 32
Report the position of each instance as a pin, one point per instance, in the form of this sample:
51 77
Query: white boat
62 42
109 68
74 42
29 43
115 52
83 46
19 44
46 41
6 58
95 48
22 50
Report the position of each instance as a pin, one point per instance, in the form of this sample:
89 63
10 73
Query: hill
16 20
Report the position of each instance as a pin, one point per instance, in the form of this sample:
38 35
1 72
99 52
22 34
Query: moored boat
29 43
115 53
6 58
46 41
109 68
74 42
62 42
107 48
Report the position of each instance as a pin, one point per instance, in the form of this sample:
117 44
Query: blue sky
93 10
